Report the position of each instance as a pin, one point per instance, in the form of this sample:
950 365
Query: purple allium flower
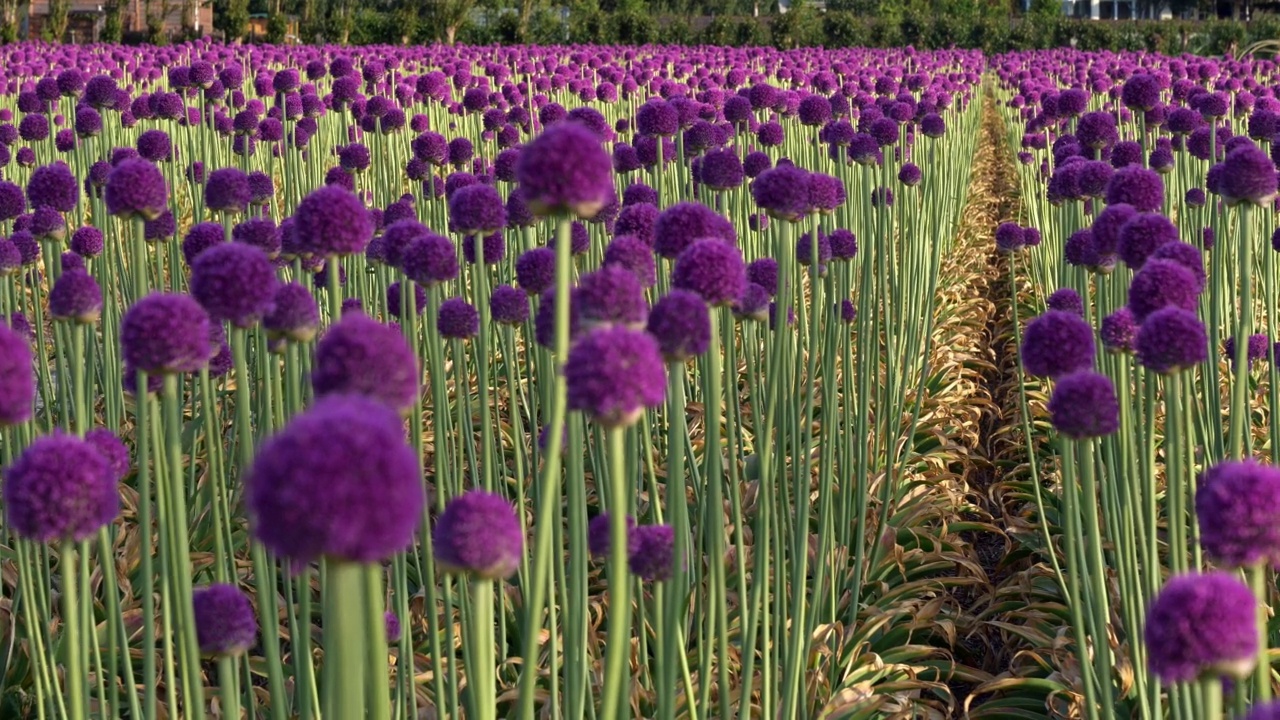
227 190
17 377
75 297
635 255
1119 331
1143 235
1264 711
136 188
112 449
154 145
1259 345
309 492
722 170
161 228
1057 343
48 225
536 270
294 314
225 622
826 193
165 333
1107 226
657 117
1186 255
259 232
1160 284
639 193
764 272
87 241
59 488
681 323
475 207
234 282
493 245
479 534
354 158
1010 237
457 319
1136 186
1084 405
1141 91
1171 339
34 128
611 295
599 540
844 244
755 163
332 221
394 293
1066 300
53 186
544 319
261 188
783 192
1201 624
1248 175
804 250
713 269
361 356
652 552
1238 506
1080 249
27 246
10 259
910 174
613 373
508 305
201 237
682 224
565 170
392 623
13 202
639 220
754 304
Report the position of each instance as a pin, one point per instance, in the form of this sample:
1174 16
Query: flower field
652 382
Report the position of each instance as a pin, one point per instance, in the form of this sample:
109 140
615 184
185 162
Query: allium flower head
225 621
429 260
681 323
509 305
53 186
261 233
294 314
87 241
477 209
234 282
75 297
722 170
136 188
599 540
1186 255
227 190
535 270
17 377
1084 405
611 295
783 192
635 255
679 225
565 170
1255 351
1171 339
332 221
1249 176
652 552
613 374
1066 300
112 450
1010 237
1238 507
639 220
457 319
59 488
479 534
1201 624
1136 186
165 333
359 355
713 269
1119 331
1143 235
338 481
1057 343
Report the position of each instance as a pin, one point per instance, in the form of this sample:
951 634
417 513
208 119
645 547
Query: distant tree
447 17
56 27
8 20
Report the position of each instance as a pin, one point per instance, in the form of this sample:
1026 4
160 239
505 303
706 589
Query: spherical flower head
1264 711
1249 176
634 255
1084 405
10 259
783 192
1202 624
479 534
87 241
48 225
112 449
679 225
536 270
1066 300
395 294
826 192
1107 226
681 323
294 314
1080 249
639 193
722 170
1186 255
652 552
565 171
332 221
17 377
392 623
1136 186
844 244
13 201
339 481
457 319
1171 339
804 250
234 282
1143 235
657 117
354 158
764 272
225 622
1160 284
1238 507
611 295
227 190
509 305
259 232
1010 237
360 356
59 488
493 245
1119 331
613 374
599 540
165 333
200 237
1140 92
713 269
1255 351
1057 343
755 303
154 145
639 220
910 174
544 319
75 297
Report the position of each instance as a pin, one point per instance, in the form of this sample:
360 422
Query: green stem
76 673
344 629
617 664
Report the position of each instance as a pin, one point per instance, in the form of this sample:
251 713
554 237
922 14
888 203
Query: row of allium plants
476 382
1148 391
